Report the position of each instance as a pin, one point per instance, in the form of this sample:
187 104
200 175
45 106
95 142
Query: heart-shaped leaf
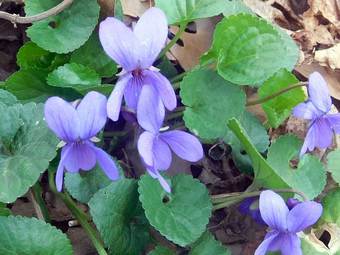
331 207
26 236
66 31
207 245
119 217
160 250
205 94
333 164
181 216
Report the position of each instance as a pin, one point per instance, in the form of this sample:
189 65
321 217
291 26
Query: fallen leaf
329 57
135 8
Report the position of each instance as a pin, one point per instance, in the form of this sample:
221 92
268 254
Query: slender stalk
176 79
81 217
182 27
14 18
276 94
39 201
225 200
174 115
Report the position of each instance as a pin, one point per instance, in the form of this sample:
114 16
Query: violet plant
159 178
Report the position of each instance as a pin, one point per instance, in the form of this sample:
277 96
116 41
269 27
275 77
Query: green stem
81 217
37 193
176 79
182 27
225 200
280 92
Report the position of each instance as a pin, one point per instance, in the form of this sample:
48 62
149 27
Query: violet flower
155 147
249 206
316 109
285 224
76 126
136 50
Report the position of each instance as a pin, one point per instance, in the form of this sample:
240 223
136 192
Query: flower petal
151 31
319 93
334 121
59 178
303 215
156 175
306 111
115 100
163 87
81 156
120 43
263 247
62 119
291 245
162 155
92 114
106 163
273 210
132 92
150 110
145 147
185 145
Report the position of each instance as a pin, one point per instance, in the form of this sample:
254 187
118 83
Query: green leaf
4 211
27 236
333 164
279 108
10 121
73 76
309 176
265 175
28 155
119 217
118 10
331 207
66 31
178 11
7 98
160 250
205 94
207 245
30 85
82 186
181 216
92 55
312 246
31 56
235 7
248 50
258 135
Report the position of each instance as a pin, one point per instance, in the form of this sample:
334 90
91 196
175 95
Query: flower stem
225 200
280 92
182 27
82 217
37 196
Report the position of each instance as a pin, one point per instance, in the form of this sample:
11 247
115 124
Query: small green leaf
310 245
119 217
7 98
160 250
309 176
33 147
279 108
258 135
92 55
207 245
27 236
30 85
333 164
73 76
235 7
66 31
10 121
205 94
4 211
181 216
82 186
248 50
331 207
178 11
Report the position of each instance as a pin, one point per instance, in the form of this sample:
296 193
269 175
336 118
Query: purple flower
249 206
136 50
285 224
76 126
155 147
316 109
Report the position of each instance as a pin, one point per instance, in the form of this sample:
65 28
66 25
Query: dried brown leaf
329 57
135 8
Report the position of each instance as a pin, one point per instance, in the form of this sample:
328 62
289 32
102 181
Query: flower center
137 73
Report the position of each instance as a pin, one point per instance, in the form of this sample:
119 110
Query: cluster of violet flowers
146 92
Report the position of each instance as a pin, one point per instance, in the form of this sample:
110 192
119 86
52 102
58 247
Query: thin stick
14 18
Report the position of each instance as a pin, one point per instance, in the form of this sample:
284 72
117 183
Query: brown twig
14 18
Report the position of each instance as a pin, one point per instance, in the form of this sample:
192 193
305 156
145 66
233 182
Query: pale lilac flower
76 126
155 147
136 50
285 224
316 109
249 206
